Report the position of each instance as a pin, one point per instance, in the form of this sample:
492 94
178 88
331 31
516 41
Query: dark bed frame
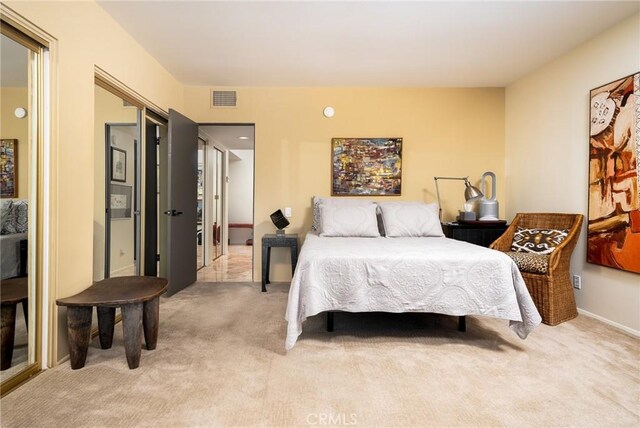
462 322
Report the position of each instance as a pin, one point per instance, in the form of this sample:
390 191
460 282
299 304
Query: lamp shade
279 220
471 192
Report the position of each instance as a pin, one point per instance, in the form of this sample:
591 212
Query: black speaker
279 220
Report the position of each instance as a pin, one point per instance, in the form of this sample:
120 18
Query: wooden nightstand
269 241
479 233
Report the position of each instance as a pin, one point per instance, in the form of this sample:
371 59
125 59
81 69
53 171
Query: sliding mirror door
21 195
217 203
201 207
117 186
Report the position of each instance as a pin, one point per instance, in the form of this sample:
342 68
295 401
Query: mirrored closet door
117 186
20 205
201 207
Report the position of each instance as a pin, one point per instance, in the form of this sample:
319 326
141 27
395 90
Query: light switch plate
287 212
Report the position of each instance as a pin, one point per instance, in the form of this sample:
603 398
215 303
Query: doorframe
225 190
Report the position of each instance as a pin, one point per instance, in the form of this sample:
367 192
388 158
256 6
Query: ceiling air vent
224 99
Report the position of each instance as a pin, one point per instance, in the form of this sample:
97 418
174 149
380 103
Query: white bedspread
437 275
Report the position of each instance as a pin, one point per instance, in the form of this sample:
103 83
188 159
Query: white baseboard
611 323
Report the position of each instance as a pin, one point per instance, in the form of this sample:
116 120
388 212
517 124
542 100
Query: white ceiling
227 135
355 43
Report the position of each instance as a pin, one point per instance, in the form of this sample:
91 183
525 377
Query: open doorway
227 202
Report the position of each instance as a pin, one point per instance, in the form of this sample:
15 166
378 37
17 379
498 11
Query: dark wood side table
138 298
269 241
479 233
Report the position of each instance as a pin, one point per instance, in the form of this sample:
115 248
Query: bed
406 274
13 237
13 255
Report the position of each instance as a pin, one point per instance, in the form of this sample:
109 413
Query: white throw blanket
437 275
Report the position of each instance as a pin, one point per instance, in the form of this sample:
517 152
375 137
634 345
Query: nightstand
478 232
269 241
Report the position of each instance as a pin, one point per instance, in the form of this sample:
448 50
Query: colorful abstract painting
8 168
614 174
366 166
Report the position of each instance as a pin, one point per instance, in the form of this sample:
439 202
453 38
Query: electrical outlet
577 282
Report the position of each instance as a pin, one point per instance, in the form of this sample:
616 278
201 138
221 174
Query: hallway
235 266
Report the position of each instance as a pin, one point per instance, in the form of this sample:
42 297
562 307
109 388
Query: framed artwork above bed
366 166
613 238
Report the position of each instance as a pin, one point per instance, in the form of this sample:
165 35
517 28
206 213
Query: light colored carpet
220 361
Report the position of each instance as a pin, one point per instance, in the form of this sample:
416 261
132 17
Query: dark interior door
181 213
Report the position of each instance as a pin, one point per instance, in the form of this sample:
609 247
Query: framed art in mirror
118 165
8 168
120 201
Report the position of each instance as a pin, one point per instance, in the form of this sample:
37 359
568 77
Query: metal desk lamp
279 221
470 192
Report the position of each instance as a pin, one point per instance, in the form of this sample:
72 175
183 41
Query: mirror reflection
18 123
116 181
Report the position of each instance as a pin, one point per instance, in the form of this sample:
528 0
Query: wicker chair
552 292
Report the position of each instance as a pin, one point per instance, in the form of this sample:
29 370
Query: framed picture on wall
613 237
8 168
118 165
120 205
366 166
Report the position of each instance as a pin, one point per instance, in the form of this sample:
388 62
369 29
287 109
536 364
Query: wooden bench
138 298
12 291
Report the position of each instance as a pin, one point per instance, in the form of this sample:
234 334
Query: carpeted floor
220 361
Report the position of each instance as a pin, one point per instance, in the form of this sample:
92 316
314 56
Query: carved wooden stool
138 298
12 291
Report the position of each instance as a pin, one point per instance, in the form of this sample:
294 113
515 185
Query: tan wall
547 137
86 36
13 128
446 131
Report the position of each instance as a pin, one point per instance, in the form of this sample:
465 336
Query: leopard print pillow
530 262
540 241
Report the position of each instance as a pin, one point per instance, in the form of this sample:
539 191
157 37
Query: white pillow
316 226
409 220
349 220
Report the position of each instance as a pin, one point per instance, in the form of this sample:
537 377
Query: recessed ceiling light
243 138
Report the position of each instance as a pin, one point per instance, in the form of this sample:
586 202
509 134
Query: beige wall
86 37
13 128
446 131
547 137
